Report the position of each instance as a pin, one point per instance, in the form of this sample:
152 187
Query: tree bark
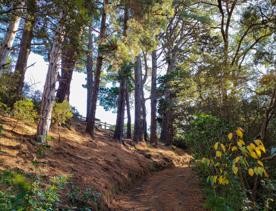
153 128
48 97
89 72
119 128
138 118
128 115
68 62
6 46
25 49
90 127
144 112
167 131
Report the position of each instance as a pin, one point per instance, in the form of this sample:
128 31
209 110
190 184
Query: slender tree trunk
6 45
68 62
89 72
48 97
138 118
90 127
119 128
25 49
144 112
128 115
167 131
153 127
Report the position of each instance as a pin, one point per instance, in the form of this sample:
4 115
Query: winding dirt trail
174 189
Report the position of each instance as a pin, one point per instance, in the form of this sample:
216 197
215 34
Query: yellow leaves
243 156
239 132
216 145
234 149
218 154
251 172
235 169
230 136
237 159
261 147
258 152
240 143
223 180
260 163
253 155
258 142
222 147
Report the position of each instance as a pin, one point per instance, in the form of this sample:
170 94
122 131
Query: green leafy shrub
4 109
205 131
24 110
61 113
7 92
87 199
28 193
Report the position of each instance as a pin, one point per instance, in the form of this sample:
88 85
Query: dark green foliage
108 97
203 133
86 199
24 192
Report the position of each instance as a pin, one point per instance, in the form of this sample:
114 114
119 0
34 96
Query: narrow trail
174 189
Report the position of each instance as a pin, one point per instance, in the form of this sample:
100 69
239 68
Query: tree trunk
90 127
7 43
89 72
167 132
48 97
119 128
138 118
144 112
128 115
153 127
68 62
25 49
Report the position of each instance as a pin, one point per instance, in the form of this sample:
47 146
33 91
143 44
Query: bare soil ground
106 166
172 189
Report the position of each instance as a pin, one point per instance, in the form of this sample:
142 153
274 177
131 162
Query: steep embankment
101 164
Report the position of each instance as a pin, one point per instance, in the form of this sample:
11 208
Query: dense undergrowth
239 174
21 191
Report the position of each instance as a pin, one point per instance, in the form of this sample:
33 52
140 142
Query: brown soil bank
105 166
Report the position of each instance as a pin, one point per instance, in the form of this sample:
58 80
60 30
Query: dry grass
107 166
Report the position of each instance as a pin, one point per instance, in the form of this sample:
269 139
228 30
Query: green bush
24 110
7 92
4 109
205 131
28 193
86 199
61 113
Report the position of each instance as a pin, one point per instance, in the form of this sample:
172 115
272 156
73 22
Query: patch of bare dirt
173 189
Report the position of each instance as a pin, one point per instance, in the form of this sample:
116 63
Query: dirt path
175 189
